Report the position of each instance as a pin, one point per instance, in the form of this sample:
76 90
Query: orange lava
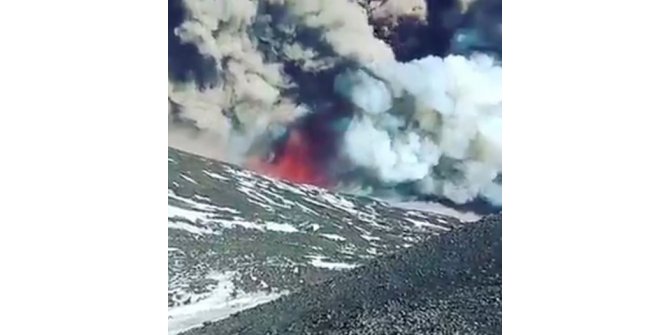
294 163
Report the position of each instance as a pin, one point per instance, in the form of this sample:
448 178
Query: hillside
450 284
237 239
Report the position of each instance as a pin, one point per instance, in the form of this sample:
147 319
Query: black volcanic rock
450 284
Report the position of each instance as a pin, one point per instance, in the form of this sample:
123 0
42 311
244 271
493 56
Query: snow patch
175 212
188 178
260 204
334 237
306 209
317 261
218 305
190 228
286 187
215 175
240 222
425 224
201 198
254 194
204 218
282 227
340 203
370 238
199 206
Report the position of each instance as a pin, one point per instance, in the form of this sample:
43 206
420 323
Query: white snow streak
334 237
281 227
199 206
370 238
188 178
215 175
317 261
425 224
190 228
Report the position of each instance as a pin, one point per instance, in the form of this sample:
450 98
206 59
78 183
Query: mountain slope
237 239
450 284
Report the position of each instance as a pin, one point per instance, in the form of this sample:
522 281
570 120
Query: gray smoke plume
392 10
247 97
344 25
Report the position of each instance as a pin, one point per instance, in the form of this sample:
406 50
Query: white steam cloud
434 122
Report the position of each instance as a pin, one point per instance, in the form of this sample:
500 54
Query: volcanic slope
237 239
450 284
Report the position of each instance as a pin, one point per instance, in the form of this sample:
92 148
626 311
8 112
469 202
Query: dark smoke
185 63
450 30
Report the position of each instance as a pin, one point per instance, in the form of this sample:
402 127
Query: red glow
295 163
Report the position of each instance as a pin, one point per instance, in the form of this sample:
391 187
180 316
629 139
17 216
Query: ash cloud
406 119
